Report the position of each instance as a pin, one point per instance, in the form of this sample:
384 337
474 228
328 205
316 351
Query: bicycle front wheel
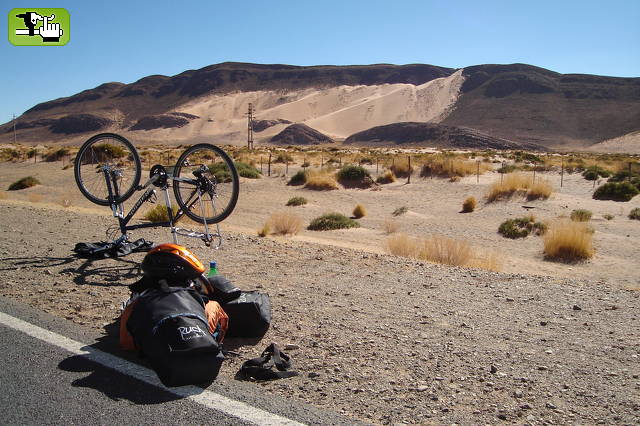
115 155
206 184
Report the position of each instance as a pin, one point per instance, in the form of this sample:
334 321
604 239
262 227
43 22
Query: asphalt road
43 383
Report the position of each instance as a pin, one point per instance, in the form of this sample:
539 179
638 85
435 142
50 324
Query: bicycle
107 170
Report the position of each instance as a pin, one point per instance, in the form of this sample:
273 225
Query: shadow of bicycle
106 272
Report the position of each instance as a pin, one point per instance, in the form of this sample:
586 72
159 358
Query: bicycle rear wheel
205 183
111 152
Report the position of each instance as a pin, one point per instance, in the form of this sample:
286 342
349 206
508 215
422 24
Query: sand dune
337 111
629 143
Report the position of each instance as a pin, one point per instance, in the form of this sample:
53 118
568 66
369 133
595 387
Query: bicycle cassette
159 170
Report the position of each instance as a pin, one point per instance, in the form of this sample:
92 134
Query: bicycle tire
220 200
89 158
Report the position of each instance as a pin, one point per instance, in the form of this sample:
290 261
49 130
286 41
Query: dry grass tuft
284 223
321 180
469 205
390 226
445 250
440 249
359 211
386 177
444 167
400 168
518 183
568 241
541 190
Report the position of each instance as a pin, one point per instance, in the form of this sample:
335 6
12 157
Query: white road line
205 397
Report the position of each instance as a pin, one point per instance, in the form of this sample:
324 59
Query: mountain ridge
517 102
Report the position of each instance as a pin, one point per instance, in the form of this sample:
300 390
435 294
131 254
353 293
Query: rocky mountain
518 103
300 134
436 135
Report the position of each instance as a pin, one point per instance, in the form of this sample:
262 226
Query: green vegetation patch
331 221
297 201
616 191
25 182
521 227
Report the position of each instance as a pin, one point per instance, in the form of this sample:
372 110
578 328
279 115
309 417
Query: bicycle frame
123 221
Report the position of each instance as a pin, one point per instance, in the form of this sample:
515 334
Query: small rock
493 369
525 406
509 299
550 406
422 388
548 351
543 368
518 394
577 308
291 346
531 418
313 374
439 378
543 323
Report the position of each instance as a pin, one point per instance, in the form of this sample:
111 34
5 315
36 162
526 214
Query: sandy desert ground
376 337
434 207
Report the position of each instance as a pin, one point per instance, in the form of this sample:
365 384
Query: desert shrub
159 213
365 160
401 168
332 221
469 204
25 182
247 170
581 215
283 157
568 241
635 214
541 189
352 175
359 211
386 177
521 227
595 172
56 155
300 178
297 201
284 223
400 211
9 154
221 172
107 151
616 191
608 216
507 168
390 226
320 180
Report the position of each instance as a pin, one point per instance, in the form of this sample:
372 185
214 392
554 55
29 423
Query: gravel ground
375 337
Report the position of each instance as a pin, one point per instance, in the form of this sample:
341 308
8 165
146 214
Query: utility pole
250 127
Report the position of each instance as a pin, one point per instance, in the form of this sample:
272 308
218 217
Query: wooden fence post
409 172
269 166
562 172
286 167
261 171
502 172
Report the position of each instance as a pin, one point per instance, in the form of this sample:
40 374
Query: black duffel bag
249 314
169 326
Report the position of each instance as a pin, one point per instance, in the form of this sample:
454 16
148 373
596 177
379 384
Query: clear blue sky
124 41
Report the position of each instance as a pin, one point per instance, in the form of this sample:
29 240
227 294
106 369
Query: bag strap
261 368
